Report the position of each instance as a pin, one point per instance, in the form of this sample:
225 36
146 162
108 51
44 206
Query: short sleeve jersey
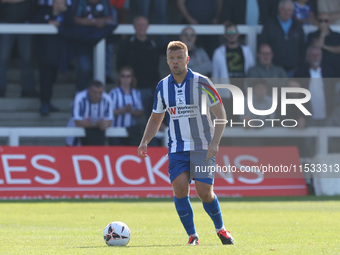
83 108
189 129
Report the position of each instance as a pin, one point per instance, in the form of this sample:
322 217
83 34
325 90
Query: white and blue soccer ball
117 233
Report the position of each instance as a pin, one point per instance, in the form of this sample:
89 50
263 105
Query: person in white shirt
231 63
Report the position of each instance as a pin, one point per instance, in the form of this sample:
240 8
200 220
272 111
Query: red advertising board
117 172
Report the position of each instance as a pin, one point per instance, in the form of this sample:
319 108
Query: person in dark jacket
141 53
286 37
328 40
54 13
322 90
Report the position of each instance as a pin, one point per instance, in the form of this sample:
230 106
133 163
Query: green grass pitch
296 225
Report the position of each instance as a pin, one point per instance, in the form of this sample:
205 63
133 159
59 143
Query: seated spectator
265 67
328 40
92 110
15 12
141 53
286 38
199 59
127 107
48 60
303 12
322 90
230 63
332 7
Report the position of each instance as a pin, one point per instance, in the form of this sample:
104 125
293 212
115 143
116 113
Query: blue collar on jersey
187 78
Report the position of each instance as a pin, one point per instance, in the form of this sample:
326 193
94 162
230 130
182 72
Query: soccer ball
116 233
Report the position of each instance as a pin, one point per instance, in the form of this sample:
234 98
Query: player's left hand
212 150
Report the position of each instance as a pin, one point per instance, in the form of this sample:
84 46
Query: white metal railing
250 32
321 134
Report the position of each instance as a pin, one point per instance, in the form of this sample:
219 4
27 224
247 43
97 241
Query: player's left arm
219 112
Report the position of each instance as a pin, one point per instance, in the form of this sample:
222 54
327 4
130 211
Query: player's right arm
151 130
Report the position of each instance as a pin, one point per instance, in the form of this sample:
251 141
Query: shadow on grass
131 246
170 200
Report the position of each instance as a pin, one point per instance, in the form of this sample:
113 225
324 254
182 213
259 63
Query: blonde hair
177 45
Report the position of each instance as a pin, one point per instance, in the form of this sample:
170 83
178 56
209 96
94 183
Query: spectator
303 12
90 16
249 12
265 67
328 40
286 37
159 7
92 110
332 7
141 53
17 11
49 13
127 107
322 90
274 75
199 59
231 62
201 12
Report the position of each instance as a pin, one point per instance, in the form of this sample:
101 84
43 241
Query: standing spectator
50 13
303 12
286 37
92 110
249 12
17 11
199 59
332 7
232 62
127 107
159 7
328 40
90 16
201 12
141 53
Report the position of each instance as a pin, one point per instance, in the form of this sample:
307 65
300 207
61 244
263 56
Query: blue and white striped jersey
84 109
120 100
188 129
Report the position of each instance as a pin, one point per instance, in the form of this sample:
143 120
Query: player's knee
181 193
206 196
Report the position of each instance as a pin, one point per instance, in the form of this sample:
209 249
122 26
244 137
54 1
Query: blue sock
214 211
186 214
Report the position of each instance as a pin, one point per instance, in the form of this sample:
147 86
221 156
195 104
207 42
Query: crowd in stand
285 54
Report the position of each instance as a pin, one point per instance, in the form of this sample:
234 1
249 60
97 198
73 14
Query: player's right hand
142 150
